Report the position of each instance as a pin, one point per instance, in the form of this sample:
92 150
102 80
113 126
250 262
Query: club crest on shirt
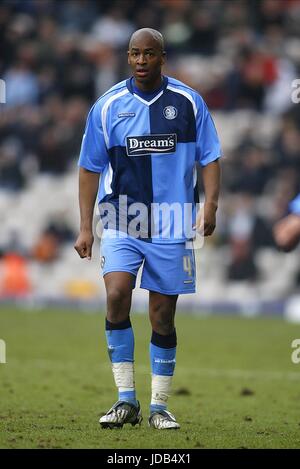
170 112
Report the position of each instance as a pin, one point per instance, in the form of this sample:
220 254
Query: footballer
145 137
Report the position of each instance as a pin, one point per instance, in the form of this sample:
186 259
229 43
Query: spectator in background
254 169
55 234
77 16
21 86
11 176
242 265
204 33
287 145
241 225
14 278
14 275
113 28
60 228
46 249
58 142
247 84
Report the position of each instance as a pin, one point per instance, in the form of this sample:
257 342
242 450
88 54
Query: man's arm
211 176
88 188
287 232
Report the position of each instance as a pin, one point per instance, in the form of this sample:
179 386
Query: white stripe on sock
125 389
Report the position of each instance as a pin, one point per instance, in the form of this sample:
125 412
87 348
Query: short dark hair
157 36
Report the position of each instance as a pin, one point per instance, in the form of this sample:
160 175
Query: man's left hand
206 219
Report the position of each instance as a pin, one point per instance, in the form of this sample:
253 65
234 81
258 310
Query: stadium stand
57 57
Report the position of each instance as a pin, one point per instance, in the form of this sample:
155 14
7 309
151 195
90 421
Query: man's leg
163 354
168 271
120 342
119 333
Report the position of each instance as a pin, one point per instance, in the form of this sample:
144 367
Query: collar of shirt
146 95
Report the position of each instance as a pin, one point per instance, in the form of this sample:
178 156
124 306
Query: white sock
161 390
124 378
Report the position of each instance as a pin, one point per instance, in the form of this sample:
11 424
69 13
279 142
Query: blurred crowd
58 56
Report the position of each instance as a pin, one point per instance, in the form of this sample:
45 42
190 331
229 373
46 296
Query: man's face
146 59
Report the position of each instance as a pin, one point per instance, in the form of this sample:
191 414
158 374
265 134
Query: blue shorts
168 268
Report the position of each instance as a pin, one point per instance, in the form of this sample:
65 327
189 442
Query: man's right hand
84 244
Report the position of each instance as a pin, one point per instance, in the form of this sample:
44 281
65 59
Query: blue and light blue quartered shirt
147 149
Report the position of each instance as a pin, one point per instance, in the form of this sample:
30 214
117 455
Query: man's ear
128 58
163 58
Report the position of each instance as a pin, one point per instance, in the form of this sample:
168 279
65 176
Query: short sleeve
93 153
208 146
295 205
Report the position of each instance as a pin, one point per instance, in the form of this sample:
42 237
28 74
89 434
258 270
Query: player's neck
149 87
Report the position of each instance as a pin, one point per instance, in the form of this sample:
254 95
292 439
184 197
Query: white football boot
163 420
121 412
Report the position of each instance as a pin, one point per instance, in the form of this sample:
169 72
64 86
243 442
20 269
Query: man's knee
118 296
118 304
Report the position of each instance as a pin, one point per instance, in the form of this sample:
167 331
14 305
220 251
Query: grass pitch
235 385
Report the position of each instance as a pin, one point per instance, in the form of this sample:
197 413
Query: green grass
235 385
